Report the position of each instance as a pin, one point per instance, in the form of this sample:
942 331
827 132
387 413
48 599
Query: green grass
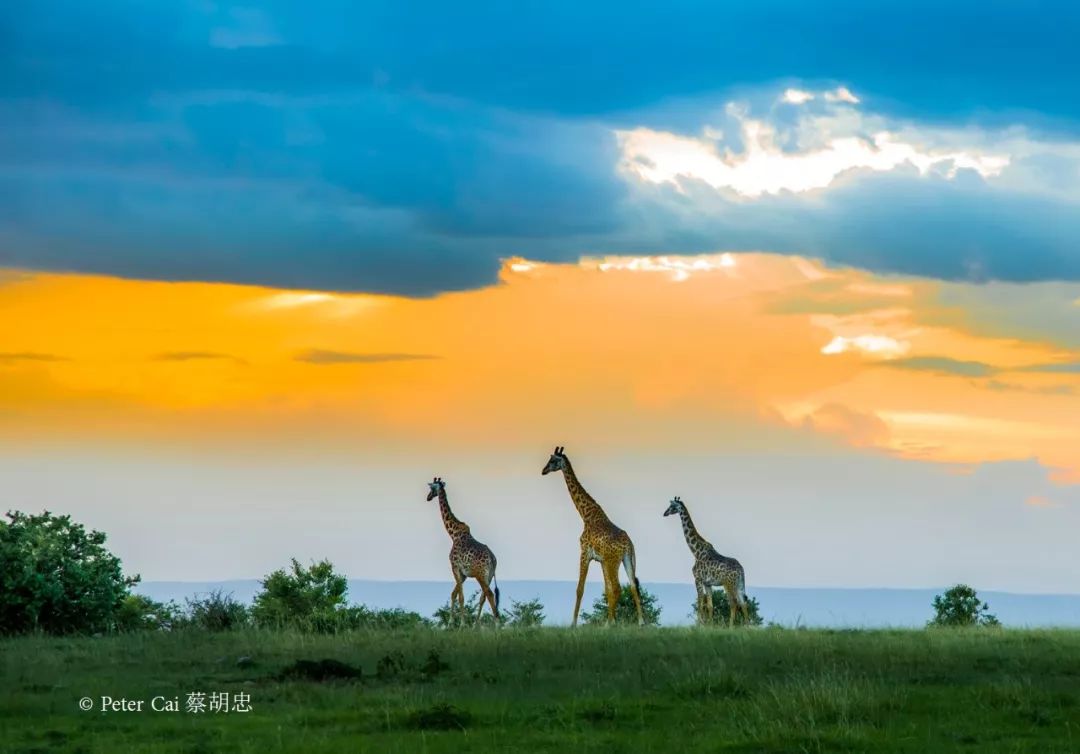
554 690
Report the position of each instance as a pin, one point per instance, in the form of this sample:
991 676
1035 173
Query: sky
265 270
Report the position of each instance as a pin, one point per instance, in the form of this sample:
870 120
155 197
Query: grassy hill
555 690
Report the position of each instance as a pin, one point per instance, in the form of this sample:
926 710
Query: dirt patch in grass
439 717
598 714
320 671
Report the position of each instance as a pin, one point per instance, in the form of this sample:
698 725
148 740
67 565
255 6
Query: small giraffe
468 557
711 569
601 540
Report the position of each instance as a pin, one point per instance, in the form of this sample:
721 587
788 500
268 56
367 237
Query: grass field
557 690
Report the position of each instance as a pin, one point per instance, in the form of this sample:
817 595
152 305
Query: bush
56 577
363 617
310 598
448 617
625 612
525 614
960 606
217 612
722 610
140 613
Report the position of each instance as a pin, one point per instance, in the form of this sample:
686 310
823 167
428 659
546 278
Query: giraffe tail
495 580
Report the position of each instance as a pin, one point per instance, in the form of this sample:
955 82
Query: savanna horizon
697 375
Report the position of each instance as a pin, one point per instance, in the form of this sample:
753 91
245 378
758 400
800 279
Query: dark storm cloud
374 147
15 357
943 365
194 356
321 356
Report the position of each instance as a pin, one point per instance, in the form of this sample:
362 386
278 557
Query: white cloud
796 97
764 168
881 346
327 304
763 156
680 267
841 94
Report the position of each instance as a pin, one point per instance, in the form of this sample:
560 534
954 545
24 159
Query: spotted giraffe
711 569
601 540
468 557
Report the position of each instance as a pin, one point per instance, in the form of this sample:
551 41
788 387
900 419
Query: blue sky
407 148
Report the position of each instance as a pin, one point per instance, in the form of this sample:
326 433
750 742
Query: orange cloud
677 354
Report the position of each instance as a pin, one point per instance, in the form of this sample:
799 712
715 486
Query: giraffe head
675 507
435 486
557 462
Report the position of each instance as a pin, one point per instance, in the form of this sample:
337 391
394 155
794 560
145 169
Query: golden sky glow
669 353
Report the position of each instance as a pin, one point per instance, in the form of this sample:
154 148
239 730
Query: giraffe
468 557
601 540
711 569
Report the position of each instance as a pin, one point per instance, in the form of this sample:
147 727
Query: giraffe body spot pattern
469 557
601 541
711 569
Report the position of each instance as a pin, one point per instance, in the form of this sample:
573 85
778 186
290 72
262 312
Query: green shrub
217 612
309 598
722 610
140 613
528 614
448 617
363 617
625 611
960 606
56 577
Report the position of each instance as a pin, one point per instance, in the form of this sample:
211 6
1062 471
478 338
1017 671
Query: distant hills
840 608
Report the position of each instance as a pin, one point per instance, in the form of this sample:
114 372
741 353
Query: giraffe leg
710 616
483 600
700 603
584 570
458 592
611 587
493 601
630 564
733 601
488 597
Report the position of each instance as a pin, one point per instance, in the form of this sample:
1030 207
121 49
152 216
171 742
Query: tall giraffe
711 569
601 540
468 557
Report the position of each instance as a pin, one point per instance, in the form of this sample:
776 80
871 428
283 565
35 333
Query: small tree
309 598
140 613
625 611
960 606
57 577
392 619
525 614
722 610
456 617
217 611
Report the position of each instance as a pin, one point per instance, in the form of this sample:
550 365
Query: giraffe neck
454 527
695 541
589 510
